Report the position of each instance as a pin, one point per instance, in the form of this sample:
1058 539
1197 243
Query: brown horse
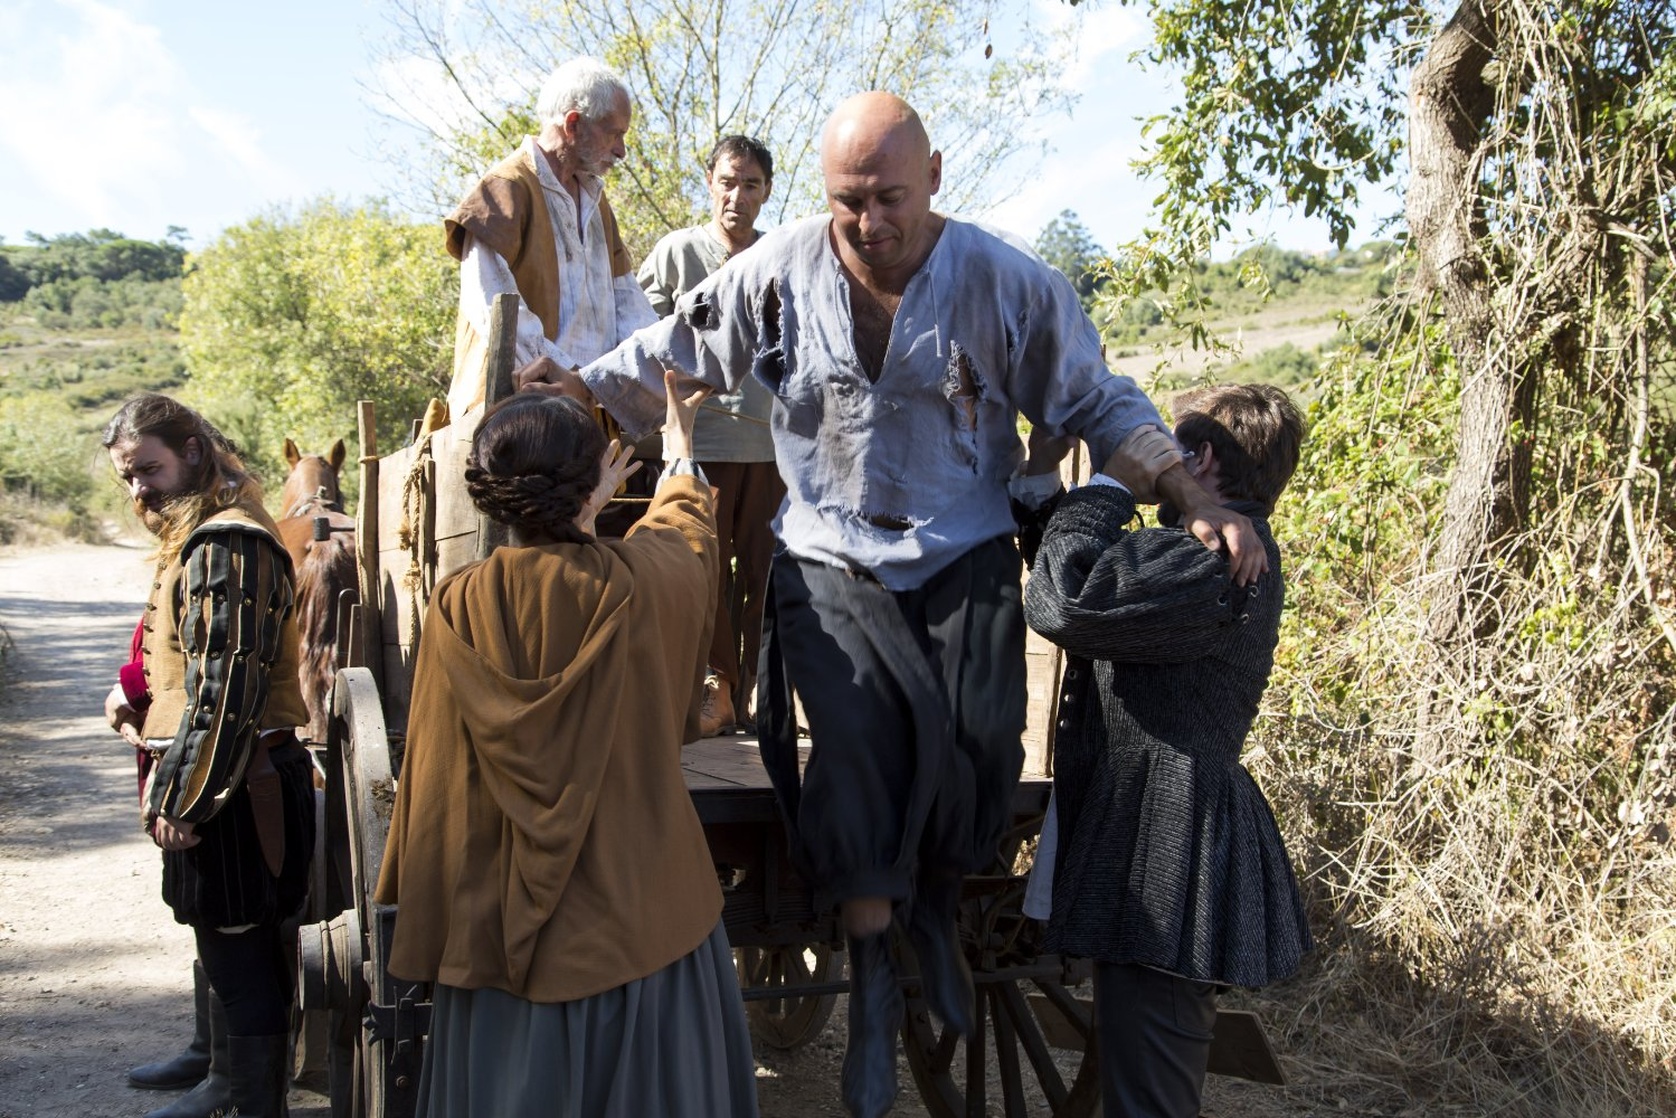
323 568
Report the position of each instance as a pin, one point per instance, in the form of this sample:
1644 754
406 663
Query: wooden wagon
1031 1052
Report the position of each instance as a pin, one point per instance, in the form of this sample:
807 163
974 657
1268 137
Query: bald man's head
868 121
880 175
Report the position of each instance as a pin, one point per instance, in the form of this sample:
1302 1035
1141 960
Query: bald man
901 346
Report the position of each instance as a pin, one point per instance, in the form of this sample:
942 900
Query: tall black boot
213 1093
259 1075
945 979
868 1083
191 1065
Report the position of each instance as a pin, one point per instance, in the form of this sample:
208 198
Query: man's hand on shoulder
1215 525
547 376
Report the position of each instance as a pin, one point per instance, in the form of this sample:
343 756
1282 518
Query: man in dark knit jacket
1170 874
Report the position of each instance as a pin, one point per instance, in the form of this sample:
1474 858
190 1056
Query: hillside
87 319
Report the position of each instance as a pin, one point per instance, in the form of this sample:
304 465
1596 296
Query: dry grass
1497 921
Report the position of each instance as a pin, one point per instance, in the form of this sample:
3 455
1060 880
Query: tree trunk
1448 107
1450 103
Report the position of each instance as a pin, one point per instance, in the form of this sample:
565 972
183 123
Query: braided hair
534 462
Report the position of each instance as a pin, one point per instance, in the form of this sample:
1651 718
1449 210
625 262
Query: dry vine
1484 812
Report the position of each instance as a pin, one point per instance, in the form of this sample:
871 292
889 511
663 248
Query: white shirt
596 309
897 475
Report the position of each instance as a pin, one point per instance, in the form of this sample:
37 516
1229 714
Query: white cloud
89 94
1104 36
235 136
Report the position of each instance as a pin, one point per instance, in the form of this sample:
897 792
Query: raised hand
679 415
616 466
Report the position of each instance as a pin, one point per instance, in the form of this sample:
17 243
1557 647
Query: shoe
213 1094
259 1072
186 1069
715 709
868 1083
945 979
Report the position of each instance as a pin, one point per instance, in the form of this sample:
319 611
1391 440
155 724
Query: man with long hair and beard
229 798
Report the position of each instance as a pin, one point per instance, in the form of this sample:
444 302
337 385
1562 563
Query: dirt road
95 975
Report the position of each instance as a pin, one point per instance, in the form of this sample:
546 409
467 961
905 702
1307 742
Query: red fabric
131 676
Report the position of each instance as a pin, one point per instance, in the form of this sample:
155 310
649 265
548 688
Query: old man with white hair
538 225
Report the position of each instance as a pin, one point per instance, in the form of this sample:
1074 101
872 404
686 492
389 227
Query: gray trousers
1154 1036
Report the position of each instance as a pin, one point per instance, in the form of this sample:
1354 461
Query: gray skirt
674 1044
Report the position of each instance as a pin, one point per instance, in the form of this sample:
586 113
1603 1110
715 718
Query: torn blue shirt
893 478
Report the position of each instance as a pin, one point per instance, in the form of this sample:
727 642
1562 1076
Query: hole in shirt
769 365
965 388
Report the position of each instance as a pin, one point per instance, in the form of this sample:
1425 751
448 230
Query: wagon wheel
375 1054
791 1021
1025 1010
388 1055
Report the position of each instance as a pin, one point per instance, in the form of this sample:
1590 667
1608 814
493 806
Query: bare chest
872 313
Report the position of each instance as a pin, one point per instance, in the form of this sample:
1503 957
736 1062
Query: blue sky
140 114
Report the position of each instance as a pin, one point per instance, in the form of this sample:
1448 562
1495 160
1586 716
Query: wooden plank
397 690
1241 1049
734 761
455 514
701 782
365 637
503 336
454 552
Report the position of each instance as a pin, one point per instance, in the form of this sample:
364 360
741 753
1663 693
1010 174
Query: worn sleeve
236 595
634 309
1059 379
711 338
484 274
1104 592
683 502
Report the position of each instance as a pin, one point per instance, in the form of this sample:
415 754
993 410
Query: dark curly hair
533 463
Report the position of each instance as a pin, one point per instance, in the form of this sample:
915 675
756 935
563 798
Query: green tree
1482 667
14 281
1066 243
101 255
700 69
293 316
1522 118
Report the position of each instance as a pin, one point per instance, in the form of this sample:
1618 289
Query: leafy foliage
85 321
292 317
100 255
1484 823
90 303
14 281
700 69
97 280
